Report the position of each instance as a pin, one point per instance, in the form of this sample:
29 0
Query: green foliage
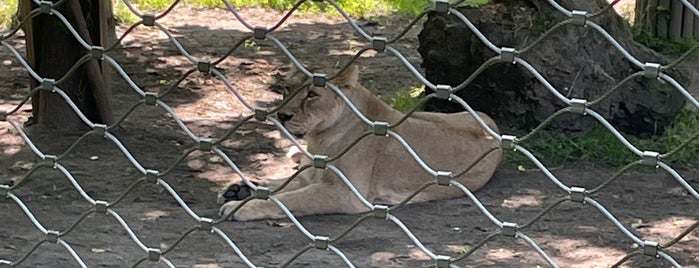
643 32
664 46
123 14
685 126
356 8
414 7
409 7
8 8
404 100
601 146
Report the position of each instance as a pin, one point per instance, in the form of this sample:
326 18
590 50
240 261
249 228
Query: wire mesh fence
648 247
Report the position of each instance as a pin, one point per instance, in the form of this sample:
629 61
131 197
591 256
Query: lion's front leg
252 210
319 198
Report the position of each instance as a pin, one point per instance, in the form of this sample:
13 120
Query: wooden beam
675 31
696 22
687 23
663 9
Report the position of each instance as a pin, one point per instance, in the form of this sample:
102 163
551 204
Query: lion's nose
284 116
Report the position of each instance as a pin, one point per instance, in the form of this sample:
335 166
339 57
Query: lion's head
313 109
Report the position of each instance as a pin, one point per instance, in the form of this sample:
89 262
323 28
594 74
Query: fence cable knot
650 248
48 84
444 178
97 52
150 98
49 160
4 190
206 224
148 20
52 236
321 242
441 6
154 254
380 128
650 158
261 114
577 194
380 211
443 92
46 7
508 142
651 70
319 79
509 229
100 129
204 66
205 144
101 206
508 55
378 43
579 17
578 106
152 176
262 193
259 33
320 161
443 261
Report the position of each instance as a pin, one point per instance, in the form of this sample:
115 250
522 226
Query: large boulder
578 61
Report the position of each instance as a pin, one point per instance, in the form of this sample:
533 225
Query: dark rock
578 61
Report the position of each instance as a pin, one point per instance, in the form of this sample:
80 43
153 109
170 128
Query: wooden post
51 52
651 14
663 20
675 31
696 21
687 22
28 28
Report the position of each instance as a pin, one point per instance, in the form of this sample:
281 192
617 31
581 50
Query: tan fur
379 167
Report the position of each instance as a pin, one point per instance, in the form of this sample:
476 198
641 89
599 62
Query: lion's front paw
252 210
228 208
234 192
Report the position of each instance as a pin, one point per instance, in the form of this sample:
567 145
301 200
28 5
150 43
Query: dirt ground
649 202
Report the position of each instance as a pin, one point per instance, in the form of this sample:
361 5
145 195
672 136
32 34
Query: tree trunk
52 51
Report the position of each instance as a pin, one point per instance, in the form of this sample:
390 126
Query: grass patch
601 146
665 46
643 33
404 100
598 146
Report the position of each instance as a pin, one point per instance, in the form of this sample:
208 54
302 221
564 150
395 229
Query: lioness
380 168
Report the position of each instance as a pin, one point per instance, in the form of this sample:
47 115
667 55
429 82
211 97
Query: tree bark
52 51
99 88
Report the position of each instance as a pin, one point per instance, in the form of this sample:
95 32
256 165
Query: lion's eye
311 94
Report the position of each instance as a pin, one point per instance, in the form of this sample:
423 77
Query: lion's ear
349 76
294 77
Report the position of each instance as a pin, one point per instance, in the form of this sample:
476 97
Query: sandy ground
649 202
